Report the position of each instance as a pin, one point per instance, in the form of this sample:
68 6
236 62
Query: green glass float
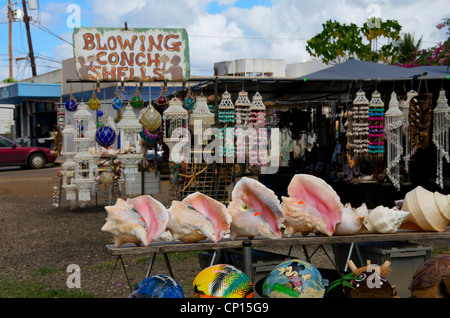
136 101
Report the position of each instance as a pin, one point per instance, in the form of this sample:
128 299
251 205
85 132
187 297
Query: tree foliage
338 42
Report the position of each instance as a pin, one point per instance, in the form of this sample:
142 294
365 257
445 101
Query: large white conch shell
384 220
352 220
430 211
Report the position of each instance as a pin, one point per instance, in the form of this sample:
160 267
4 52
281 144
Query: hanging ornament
136 101
242 109
149 137
405 109
441 121
71 104
117 102
189 101
226 119
258 142
105 136
175 122
376 124
394 147
201 114
150 118
99 113
360 125
162 101
94 102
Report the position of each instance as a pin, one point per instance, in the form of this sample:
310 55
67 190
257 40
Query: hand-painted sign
112 54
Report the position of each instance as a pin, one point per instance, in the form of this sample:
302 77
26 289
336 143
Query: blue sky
218 30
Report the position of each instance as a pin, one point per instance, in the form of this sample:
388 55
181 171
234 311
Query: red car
13 154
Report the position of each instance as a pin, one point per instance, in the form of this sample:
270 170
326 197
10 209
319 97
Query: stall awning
18 92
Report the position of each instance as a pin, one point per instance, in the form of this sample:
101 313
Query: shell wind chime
360 124
405 109
376 125
441 120
226 119
258 148
175 123
394 147
242 111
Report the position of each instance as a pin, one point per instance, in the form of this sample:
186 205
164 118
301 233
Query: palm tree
407 47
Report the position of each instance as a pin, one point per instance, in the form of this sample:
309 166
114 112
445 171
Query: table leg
150 265
247 251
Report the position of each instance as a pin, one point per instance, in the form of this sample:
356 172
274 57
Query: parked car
14 154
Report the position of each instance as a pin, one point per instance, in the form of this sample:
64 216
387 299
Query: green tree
9 80
339 42
407 47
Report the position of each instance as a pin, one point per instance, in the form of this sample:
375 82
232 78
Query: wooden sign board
139 54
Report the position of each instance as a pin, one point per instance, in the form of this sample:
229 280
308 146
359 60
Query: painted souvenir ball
71 105
136 101
222 281
105 136
117 103
294 279
158 286
94 103
189 103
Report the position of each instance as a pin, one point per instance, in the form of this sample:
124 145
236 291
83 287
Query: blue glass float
105 136
294 279
71 105
117 103
158 286
188 103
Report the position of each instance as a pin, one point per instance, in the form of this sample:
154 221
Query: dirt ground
36 235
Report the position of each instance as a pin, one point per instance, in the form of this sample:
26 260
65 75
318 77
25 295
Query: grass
34 287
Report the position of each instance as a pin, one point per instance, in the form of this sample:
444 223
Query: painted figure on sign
85 67
296 279
176 71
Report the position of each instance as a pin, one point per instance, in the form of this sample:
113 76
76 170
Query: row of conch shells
255 211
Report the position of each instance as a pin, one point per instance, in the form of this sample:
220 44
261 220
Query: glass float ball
94 103
222 281
136 101
158 286
162 102
117 103
294 279
99 113
105 136
150 119
71 105
189 103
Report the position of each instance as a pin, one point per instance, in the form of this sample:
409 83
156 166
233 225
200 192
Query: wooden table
247 245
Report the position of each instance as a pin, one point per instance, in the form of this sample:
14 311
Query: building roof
18 92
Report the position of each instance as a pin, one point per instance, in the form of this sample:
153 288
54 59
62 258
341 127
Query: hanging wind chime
420 121
441 121
175 123
226 120
376 125
405 110
201 115
360 125
242 111
258 152
394 147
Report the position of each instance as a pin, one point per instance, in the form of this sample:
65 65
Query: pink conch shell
197 216
429 211
255 210
125 224
351 222
154 214
312 206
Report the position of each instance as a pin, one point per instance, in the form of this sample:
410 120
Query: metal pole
10 38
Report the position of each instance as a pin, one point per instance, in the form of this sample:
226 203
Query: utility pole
10 39
26 20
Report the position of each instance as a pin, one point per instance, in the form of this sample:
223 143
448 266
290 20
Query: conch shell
384 220
352 220
198 217
429 211
134 221
312 206
255 210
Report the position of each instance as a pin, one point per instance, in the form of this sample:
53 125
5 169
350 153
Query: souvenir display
158 286
405 129
441 121
226 120
427 210
294 279
359 131
242 113
376 125
394 138
384 220
432 278
312 206
140 220
255 210
198 217
258 141
222 281
351 222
